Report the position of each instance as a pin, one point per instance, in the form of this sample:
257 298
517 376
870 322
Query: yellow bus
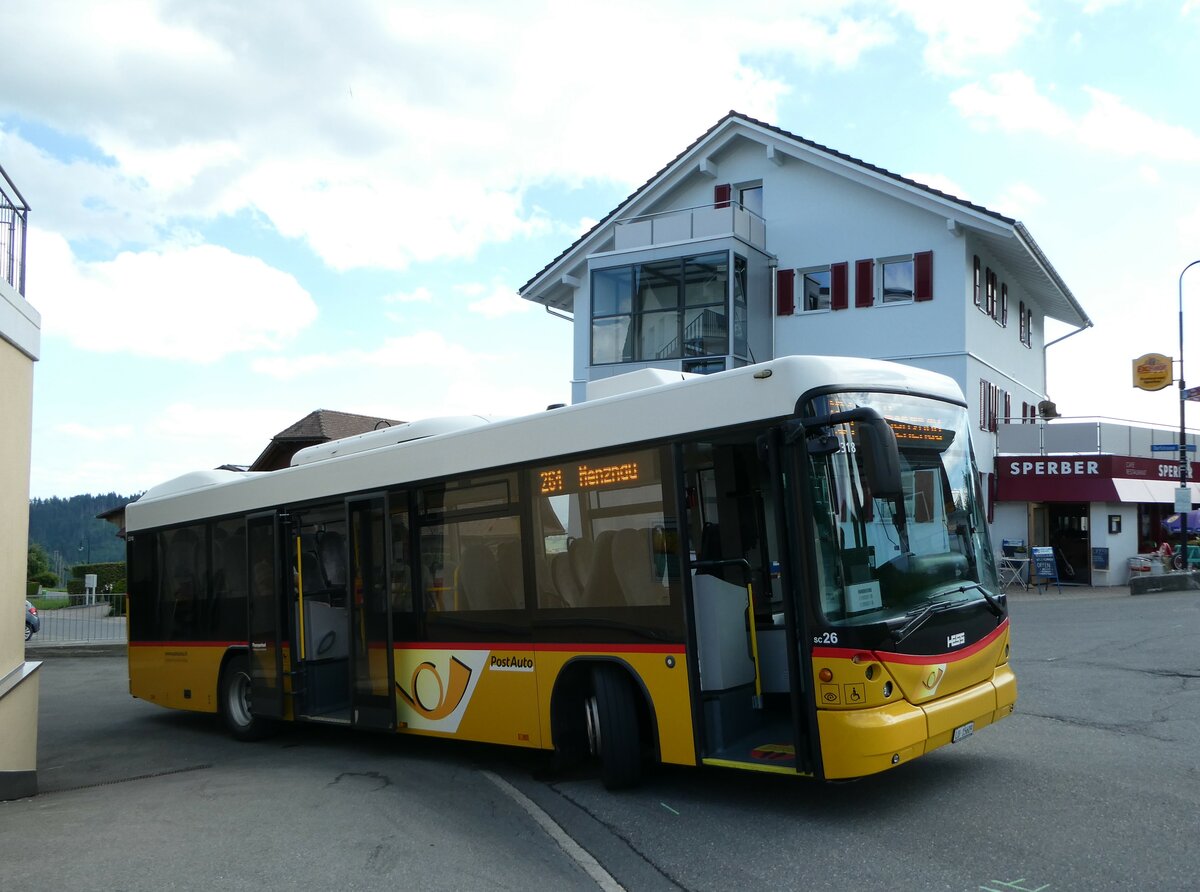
783 567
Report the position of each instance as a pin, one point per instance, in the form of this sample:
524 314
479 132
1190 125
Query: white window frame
880 267
799 307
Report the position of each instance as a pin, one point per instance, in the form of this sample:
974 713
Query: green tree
39 561
39 566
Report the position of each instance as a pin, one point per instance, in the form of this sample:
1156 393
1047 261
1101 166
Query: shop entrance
1068 533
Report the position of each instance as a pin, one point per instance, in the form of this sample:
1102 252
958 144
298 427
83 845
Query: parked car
33 622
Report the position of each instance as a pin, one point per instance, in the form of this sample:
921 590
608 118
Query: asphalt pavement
136 797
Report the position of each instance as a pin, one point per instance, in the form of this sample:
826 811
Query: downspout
773 273
1045 347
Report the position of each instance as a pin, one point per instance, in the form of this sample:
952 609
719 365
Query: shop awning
1160 492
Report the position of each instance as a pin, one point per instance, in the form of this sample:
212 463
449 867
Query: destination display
581 477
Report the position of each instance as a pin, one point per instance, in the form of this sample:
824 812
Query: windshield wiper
919 618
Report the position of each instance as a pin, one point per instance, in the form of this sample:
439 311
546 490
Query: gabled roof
319 426
1005 236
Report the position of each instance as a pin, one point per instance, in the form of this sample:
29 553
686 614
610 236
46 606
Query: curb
75 649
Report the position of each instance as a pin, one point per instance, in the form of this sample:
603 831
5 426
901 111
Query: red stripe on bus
546 648
189 644
845 653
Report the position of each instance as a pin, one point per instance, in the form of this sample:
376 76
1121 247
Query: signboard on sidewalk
1044 566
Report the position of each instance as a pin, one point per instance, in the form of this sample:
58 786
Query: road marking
573 849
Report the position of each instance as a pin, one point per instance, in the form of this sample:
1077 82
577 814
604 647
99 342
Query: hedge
109 574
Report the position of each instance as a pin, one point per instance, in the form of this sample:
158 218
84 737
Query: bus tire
233 701
612 727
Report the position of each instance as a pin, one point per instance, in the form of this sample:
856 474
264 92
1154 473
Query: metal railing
79 622
14 220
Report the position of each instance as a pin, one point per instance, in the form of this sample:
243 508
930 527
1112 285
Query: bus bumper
859 742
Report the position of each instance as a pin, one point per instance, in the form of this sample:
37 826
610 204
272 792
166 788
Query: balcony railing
688 224
14 218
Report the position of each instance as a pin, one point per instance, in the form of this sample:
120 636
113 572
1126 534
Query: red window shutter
839 286
923 276
721 195
864 283
785 291
1007 407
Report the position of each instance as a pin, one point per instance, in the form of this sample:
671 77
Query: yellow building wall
18 699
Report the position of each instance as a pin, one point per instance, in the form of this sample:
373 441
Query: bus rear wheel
234 703
612 727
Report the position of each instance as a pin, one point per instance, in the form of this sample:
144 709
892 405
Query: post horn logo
448 697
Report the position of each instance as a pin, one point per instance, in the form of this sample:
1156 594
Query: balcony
14 218
691 224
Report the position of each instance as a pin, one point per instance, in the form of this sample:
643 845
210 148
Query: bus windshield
883 556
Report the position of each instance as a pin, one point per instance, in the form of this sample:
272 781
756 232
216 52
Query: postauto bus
781 568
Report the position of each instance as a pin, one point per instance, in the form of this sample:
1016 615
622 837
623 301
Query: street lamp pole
1184 461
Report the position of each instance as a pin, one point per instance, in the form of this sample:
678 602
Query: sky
242 212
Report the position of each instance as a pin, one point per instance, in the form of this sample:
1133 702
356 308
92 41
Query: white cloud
195 303
96 434
959 33
1018 200
420 294
1188 231
1012 102
424 350
380 135
501 300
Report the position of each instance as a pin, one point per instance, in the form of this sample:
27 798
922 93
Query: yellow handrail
754 647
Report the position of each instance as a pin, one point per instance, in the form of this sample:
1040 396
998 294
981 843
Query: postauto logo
439 688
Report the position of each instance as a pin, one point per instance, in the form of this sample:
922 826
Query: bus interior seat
580 552
633 564
565 582
478 579
710 550
331 546
602 588
508 558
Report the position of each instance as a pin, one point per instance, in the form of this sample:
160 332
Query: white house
754 243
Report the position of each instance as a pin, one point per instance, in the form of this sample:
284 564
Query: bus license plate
962 732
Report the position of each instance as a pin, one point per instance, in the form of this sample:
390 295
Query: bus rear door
265 607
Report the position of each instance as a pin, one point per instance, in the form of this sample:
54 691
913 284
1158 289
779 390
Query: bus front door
372 705
265 607
742 621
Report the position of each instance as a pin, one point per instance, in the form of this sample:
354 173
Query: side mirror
880 457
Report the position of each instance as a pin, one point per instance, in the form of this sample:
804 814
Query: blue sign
1170 447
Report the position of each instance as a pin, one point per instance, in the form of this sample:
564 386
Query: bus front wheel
612 727
233 700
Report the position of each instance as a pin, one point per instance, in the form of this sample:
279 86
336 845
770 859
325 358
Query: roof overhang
555 284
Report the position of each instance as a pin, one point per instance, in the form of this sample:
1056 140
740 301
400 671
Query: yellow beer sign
1152 371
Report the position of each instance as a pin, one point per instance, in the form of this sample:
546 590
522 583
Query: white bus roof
726 399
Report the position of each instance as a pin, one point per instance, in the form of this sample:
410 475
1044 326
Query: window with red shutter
785 286
721 195
864 283
839 286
